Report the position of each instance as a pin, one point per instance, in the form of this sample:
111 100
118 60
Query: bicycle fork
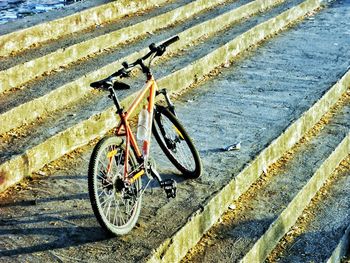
169 185
171 106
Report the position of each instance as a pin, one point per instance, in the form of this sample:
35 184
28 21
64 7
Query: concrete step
290 214
68 86
77 125
321 233
50 219
36 30
265 213
65 51
237 186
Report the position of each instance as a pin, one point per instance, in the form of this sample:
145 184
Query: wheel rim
117 205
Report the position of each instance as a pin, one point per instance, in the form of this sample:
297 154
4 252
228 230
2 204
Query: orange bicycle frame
124 129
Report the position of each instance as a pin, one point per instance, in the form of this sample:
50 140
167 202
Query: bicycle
117 164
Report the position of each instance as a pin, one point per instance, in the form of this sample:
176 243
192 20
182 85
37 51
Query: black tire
115 206
176 143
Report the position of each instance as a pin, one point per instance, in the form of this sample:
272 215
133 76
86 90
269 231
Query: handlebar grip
170 41
125 65
153 47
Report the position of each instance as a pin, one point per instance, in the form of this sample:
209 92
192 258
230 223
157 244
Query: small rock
41 173
265 170
232 207
235 146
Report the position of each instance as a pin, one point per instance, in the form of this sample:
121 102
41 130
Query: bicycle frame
118 162
124 129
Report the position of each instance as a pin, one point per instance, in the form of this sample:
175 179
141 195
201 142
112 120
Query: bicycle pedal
169 187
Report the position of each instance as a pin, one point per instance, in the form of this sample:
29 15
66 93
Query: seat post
114 97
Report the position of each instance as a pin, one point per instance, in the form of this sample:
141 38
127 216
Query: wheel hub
119 185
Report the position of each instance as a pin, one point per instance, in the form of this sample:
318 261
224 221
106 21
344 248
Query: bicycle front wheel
116 205
176 143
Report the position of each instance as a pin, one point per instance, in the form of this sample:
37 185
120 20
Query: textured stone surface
254 101
24 38
176 81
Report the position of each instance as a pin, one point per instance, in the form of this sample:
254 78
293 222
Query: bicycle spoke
115 222
107 199
118 213
108 212
127 207
102 192
116 208
179 152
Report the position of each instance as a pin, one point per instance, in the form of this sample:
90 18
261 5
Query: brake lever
122 73
160 50
125 74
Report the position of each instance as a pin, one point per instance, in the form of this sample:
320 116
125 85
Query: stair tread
238 233
185 57
88 34
330 219
256 122
36 19
67 75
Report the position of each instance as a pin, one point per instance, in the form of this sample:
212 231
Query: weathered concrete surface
22 73
51 220
272 208
82 36
27 109
324 235
49 30
288 217
81 133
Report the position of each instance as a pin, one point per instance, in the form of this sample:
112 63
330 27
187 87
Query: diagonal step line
15 169
231 49
75 90
290 214
25 38
22 73
176 247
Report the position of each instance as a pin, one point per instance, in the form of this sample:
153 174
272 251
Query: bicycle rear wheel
176 143
115 205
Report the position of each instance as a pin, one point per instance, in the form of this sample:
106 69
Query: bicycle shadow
74 236
36 230
35 201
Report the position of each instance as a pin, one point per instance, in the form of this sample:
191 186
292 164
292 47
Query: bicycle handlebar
159 50
124 72
170 41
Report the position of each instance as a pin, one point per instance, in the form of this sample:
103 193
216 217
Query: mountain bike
119 162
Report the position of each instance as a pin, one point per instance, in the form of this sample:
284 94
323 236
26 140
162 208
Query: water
11 10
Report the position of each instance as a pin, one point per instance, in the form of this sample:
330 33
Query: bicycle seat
105 83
